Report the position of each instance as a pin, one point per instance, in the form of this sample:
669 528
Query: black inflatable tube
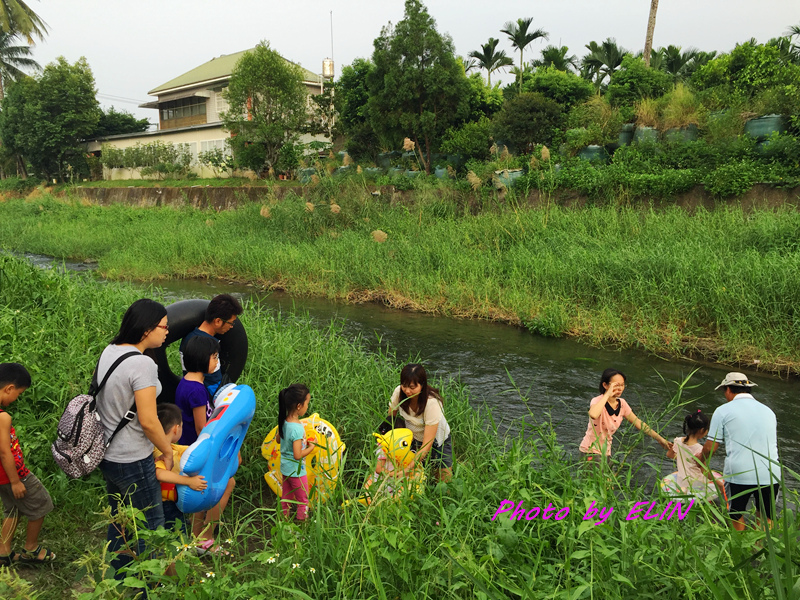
184 317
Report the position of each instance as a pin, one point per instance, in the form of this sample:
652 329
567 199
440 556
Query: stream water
518 374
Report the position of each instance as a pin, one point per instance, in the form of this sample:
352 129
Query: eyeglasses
163 327
229 323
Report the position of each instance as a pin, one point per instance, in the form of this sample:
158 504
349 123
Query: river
522 375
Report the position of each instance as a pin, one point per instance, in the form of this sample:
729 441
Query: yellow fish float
322 465
392 483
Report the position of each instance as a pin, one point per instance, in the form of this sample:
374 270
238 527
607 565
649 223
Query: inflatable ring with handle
322 465
215 453
183 317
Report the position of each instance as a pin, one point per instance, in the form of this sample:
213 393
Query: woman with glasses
131 389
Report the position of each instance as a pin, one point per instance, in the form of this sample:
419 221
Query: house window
214 144
222 104
185 107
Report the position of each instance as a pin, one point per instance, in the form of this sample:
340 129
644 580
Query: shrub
527 120
634 81
602 121
564 87
471 140
731 179
680 108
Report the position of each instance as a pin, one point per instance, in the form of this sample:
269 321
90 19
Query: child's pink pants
295 488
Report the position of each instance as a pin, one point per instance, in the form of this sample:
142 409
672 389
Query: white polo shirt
749 431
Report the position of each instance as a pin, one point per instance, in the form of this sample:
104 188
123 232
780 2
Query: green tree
602 60
267 107
418 88
564 87
13 59
352 99
117 122
517 32
16 17
634 80
483 100
46 119
489 59
527 120
558 57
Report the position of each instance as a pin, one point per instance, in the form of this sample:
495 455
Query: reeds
721 282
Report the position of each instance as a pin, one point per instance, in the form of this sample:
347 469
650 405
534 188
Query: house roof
217 68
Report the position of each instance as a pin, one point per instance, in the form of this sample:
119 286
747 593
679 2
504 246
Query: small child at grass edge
20 490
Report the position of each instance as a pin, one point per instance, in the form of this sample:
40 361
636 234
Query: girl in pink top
691 478
606 413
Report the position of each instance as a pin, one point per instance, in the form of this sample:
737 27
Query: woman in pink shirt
606 413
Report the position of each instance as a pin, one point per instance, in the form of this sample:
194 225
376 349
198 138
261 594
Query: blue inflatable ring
215 453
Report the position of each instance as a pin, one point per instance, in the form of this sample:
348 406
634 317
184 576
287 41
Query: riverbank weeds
720 285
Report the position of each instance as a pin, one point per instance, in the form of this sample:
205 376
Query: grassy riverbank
724 284
442 544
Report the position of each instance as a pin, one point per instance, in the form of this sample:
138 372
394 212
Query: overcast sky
135 46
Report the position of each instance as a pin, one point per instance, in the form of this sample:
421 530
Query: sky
135 46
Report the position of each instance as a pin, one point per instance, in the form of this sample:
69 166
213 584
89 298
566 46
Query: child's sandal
6 560
32 557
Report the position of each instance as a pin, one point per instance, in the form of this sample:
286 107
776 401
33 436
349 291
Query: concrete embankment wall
223 198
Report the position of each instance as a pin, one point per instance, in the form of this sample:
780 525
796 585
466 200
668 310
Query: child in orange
170 417
21 492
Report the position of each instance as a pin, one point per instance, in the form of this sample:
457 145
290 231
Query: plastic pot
508 177
678 135
763 127
593 153
645 134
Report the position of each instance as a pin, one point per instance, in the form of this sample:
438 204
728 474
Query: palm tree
788 52
12 60
698 60
554 56
16 17
520 37
468 63
651 27
675 61
489 59
602 60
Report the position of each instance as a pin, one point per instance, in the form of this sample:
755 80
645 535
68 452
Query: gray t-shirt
115 399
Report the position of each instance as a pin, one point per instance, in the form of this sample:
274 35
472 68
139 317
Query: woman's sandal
6 560
32 557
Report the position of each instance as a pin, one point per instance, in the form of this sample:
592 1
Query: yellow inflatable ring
322 465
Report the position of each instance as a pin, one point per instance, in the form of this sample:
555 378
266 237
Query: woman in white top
421 407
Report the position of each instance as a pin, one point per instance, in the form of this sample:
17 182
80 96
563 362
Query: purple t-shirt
188 396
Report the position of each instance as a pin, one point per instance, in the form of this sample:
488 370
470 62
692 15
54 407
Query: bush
599 118
18 185
288 158
731 179
527 120
161 158
471 140
564 87
680 108
634 81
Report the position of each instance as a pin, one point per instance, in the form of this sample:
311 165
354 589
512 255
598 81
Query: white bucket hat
739 379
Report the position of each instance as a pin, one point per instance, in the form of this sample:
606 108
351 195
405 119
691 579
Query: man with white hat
749 431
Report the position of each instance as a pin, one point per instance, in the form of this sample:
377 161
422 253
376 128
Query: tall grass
440 544
724 283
